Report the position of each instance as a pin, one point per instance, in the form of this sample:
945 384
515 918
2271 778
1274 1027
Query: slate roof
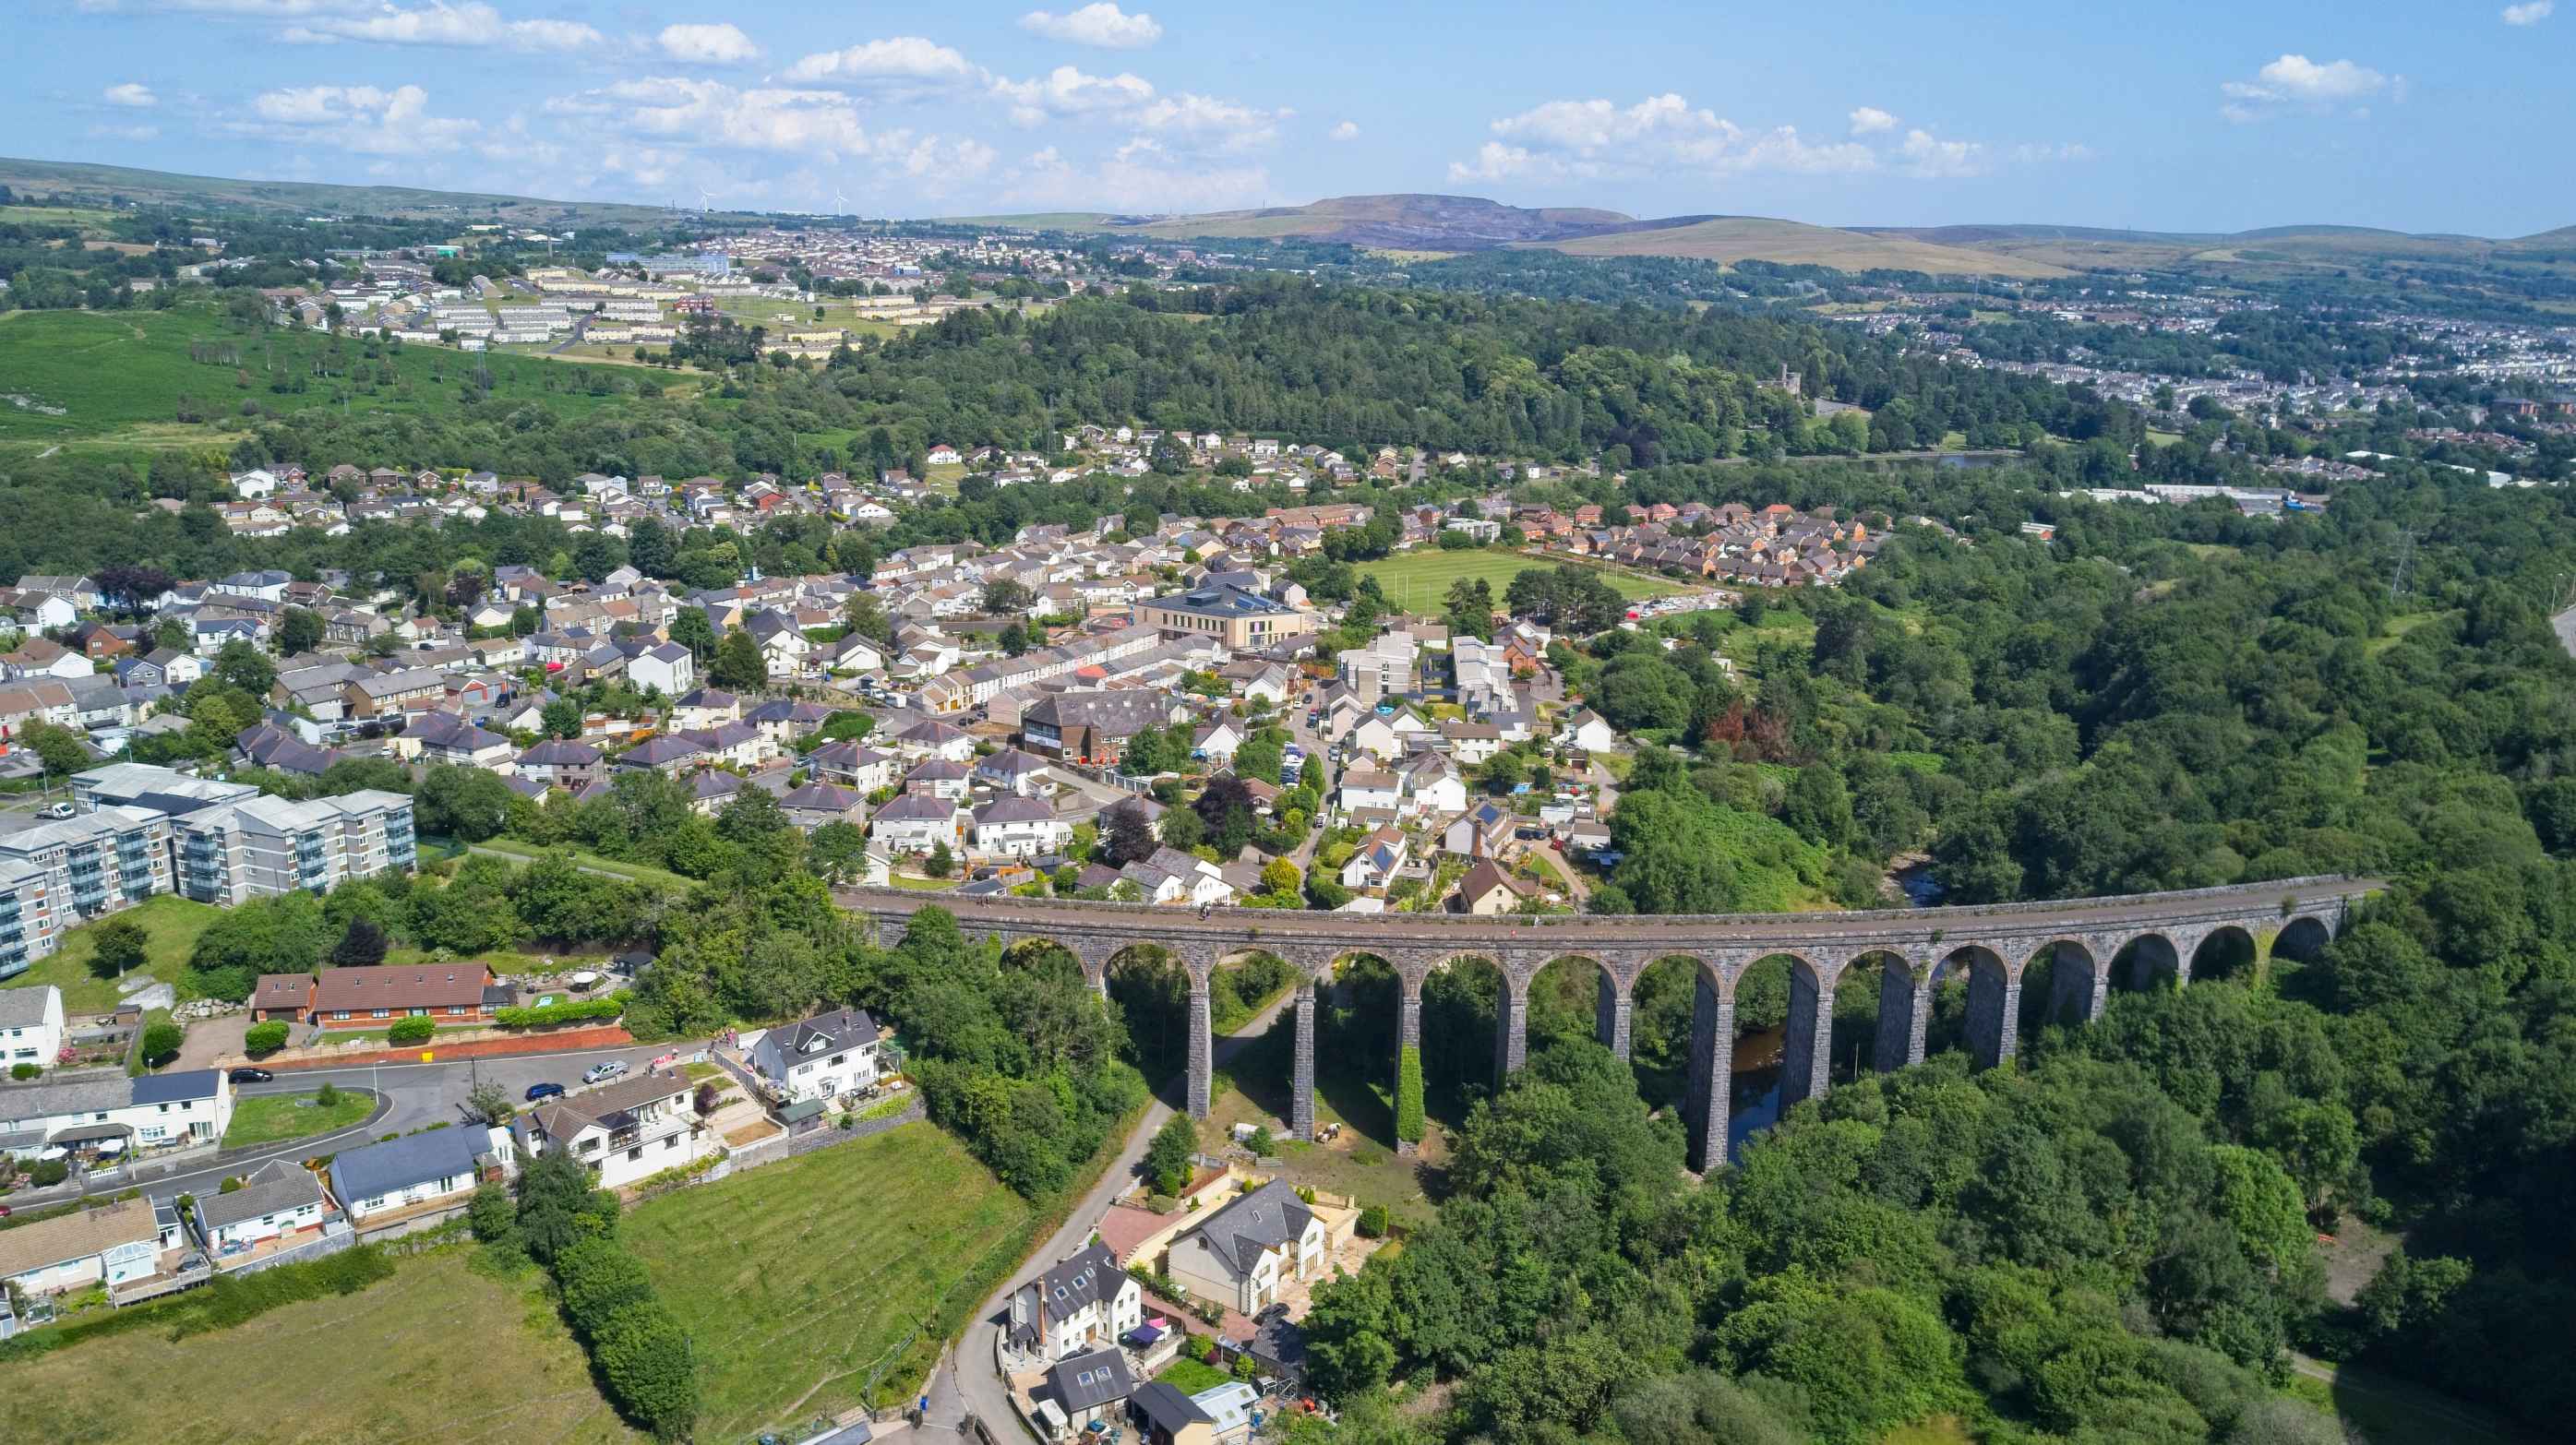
278 1185
1268 1218
1084 1383
374 1169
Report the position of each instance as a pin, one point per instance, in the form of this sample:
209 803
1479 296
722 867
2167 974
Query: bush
644 1356
600 1277
412 1029
161 1043
264 1039
48 1171
493 1216
327 1095
1373 1219
23 1072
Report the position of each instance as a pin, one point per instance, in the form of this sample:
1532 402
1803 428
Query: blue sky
2189 116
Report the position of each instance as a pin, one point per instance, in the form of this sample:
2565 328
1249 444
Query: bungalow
822 1057
815 804
279 1199
114 1245
365 997
853 764
1014 827
1085 1302
374 1180
1242 1252
932 738
625 1131
1169 875
445 738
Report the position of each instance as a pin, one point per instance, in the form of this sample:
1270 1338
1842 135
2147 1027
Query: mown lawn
1418 581
438 1352
269 1118
171 924
639 872
800 1280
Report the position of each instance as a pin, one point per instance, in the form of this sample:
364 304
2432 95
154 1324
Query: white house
31 1026
1587 731
1374 865
377 1180
279 1198
1368 788
822 1057
1085 1302
917 823
1431 785
114 1245
668 667
1238 1257
1375 736
625 1131
1014 827
192 1106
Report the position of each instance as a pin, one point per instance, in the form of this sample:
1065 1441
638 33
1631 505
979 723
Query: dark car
251 1076
544 1091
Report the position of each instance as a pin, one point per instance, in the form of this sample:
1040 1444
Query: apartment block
96 863
27 928
262 847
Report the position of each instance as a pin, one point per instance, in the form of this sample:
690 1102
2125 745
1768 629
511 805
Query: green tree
738 663
119 946
1169 1153
299 630
1409 1114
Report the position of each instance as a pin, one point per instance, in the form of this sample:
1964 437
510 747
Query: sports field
1420 579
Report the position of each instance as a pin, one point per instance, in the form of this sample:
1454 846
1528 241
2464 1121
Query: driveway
211 1039
964 1382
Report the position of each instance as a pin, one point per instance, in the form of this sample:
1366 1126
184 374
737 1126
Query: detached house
280 1199
1239 1256
376 1180
822 1057
624 1131
1086 1302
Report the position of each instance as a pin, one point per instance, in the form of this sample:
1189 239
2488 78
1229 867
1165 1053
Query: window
635 1153
382 1013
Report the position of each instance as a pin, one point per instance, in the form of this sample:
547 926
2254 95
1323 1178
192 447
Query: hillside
1435 223
77 181
157 378
1756 238
2295 246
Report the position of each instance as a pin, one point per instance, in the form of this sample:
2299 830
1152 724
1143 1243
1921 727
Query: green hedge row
575 1011
220 1305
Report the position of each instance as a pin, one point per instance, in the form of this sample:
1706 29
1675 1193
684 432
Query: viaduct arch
1991 946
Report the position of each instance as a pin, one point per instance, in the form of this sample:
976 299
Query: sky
2190 116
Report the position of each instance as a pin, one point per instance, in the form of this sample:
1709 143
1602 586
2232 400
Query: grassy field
268 1118
436 1353
2389 1411
1756 238
638 872
121 376
800 1280
171 924
1190 1376
1420 579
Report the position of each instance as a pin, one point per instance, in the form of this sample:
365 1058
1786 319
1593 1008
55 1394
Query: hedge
410 1029
573 1011
263 1039
221 1304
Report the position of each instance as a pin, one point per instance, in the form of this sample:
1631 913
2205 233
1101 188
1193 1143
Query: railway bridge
1908 949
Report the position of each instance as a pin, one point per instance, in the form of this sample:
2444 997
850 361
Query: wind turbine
706 199
838 201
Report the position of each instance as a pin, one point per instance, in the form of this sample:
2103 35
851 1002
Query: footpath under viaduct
1908 948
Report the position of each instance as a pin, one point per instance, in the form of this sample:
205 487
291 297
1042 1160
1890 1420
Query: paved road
964 1381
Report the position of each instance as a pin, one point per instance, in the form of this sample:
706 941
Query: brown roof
75 1236
1484 878
565 1117
282 990
400 986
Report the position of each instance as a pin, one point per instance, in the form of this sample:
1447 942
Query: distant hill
72 180
2292 247
1471 223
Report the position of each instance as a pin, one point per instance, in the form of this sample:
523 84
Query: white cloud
1870 120
1347 130
470 25
358 118
2296 82
1585 139
715 44
126 132
1932 158
1223 124
692 113
131 93
2035 153
1102 25
902 59
266 9
1136 179
2530 14
1066 92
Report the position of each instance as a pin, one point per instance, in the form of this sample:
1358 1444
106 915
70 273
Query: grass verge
269 1118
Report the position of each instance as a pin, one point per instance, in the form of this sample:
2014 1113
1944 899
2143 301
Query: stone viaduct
1908 948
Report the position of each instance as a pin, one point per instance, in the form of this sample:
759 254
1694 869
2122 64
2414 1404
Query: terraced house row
145 830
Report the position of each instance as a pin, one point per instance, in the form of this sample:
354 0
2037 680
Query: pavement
964 1381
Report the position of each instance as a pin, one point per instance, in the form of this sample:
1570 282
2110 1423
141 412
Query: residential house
116 1244
1241 1253
31 1022
1380 856
1018 773
1367 789
1086 1387
667 668
823 1057
1484 831
1092 727
1487 890
1084 1302
917 823
278 1200
561 763
815 804
154 1111
1588 732
1015 827
373 1181
625 1131
458 994
445 738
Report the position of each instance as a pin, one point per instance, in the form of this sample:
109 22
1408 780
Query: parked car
544 1091
58 811
248 1075
601 1072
